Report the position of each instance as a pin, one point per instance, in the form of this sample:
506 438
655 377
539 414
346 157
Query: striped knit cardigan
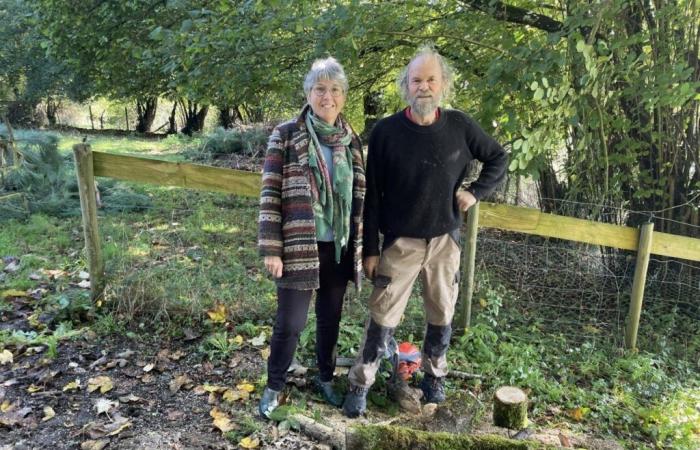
286 226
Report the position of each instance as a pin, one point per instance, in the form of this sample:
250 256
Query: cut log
510 408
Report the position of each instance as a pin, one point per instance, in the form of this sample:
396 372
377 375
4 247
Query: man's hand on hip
370 264
274 265
465 200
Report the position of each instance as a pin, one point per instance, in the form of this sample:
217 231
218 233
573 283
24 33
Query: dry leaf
131 398
103 405
49 414
265 353
125 354
217 314
13 293
103 383
221 420
148 367
245 386
213 388
85 284
177 355
563 440
238 340
5 357
119 425
84 275
181 381
73 385
577 414
94 445
148 378
248 442
6 406
258 341
16 417
232 395
33 388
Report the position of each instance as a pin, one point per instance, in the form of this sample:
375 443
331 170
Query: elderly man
416 163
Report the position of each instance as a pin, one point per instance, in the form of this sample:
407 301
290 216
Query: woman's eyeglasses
320 91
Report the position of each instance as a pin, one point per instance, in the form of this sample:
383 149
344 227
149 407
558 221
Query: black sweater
414 171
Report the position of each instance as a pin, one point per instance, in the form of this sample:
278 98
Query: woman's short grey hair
448 73
325 69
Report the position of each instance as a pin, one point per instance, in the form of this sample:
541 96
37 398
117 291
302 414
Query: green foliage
247 141
219 346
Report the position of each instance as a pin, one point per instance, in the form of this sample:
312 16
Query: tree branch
514 14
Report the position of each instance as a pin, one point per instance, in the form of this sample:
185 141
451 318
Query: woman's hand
274 265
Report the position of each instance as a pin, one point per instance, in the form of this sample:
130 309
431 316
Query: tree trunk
172 127
228 115
146 112
52 107
194 116
510 408
371 107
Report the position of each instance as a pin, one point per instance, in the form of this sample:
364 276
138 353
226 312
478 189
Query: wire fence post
468 264
640 277
88 207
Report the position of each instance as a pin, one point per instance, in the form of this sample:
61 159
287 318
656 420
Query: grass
185 252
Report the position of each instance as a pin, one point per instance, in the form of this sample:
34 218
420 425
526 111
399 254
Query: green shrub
221 143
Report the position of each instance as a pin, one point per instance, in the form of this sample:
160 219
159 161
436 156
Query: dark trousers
292 311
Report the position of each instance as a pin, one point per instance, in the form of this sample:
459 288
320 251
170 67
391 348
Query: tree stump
510 408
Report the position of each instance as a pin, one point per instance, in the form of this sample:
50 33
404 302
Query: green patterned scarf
332 198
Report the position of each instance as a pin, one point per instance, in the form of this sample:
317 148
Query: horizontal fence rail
167 173
531 221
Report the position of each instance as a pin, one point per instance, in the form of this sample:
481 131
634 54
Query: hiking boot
328 392
355 403
268 402
433 389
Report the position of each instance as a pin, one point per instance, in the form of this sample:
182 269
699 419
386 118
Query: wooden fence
645 241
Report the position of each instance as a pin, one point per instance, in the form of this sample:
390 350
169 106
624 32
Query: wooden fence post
640 277
88 207
468 264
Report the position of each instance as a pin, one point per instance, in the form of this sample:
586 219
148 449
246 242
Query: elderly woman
310 225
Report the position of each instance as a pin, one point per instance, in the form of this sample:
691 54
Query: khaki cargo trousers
436 261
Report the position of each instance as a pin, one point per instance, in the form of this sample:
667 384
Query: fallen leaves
94 444
72 386
179 382
5 357
577 414
13 293
103 383
217 314
14 415
105 406
248 442
49 413
221 420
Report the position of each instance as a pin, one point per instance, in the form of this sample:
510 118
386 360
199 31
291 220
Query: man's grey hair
448 73
325 69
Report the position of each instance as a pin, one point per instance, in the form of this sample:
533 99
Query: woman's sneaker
328 392
268 402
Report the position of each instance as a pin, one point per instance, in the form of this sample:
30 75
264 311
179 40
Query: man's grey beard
422 107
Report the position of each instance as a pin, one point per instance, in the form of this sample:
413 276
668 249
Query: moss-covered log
387 437
510 408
